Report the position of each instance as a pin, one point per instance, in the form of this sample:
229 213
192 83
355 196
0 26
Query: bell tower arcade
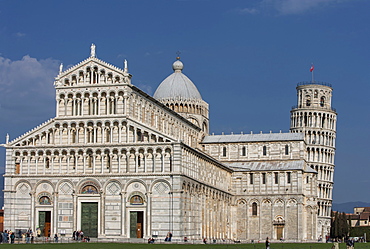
315 117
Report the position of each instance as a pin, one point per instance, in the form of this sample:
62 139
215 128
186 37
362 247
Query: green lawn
176 246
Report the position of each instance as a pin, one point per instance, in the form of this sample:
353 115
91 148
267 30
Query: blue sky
245 57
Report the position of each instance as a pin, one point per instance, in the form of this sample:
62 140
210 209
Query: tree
339 225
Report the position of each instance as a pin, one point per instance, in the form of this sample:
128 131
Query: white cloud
27 93
248 11
288 7
26 86
27 75
153 53
19 34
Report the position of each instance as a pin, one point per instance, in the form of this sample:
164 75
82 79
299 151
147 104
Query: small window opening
224 151
288 177
47 163
254 208
276 177
17 168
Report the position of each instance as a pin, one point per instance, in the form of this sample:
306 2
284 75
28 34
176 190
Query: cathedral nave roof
271 166
237 138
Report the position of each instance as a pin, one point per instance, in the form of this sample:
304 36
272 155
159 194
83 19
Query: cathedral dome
177 86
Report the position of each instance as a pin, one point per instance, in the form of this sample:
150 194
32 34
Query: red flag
312 68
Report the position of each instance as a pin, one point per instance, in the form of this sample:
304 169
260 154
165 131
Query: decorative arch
43 182
266 202
19 185
279 220
279 202
136 180
241 201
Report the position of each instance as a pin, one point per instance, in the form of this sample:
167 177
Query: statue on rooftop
92 48
125 69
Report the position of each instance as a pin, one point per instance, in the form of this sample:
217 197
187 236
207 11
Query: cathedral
118 163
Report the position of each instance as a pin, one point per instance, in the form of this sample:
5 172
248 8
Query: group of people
79 236
8 236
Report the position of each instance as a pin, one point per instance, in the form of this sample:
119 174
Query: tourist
28 237
267 243
12 237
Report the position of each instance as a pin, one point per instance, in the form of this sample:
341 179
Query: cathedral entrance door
136 224
45 223
89 219
279 231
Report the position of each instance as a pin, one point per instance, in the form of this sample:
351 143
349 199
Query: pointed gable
92 72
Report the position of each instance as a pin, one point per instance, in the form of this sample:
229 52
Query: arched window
315 94
224 151
264 150
254 208
322 101
308 100
286 149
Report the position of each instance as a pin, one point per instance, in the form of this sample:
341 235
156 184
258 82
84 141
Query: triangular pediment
30 137
92 71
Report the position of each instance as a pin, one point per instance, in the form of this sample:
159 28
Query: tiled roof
271 165
364 216
239 138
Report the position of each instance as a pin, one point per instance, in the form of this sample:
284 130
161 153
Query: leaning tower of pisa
315 117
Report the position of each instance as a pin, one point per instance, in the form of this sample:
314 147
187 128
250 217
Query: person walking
349 243
12 238
267 243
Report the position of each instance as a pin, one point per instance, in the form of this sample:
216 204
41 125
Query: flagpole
311 70
312 77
